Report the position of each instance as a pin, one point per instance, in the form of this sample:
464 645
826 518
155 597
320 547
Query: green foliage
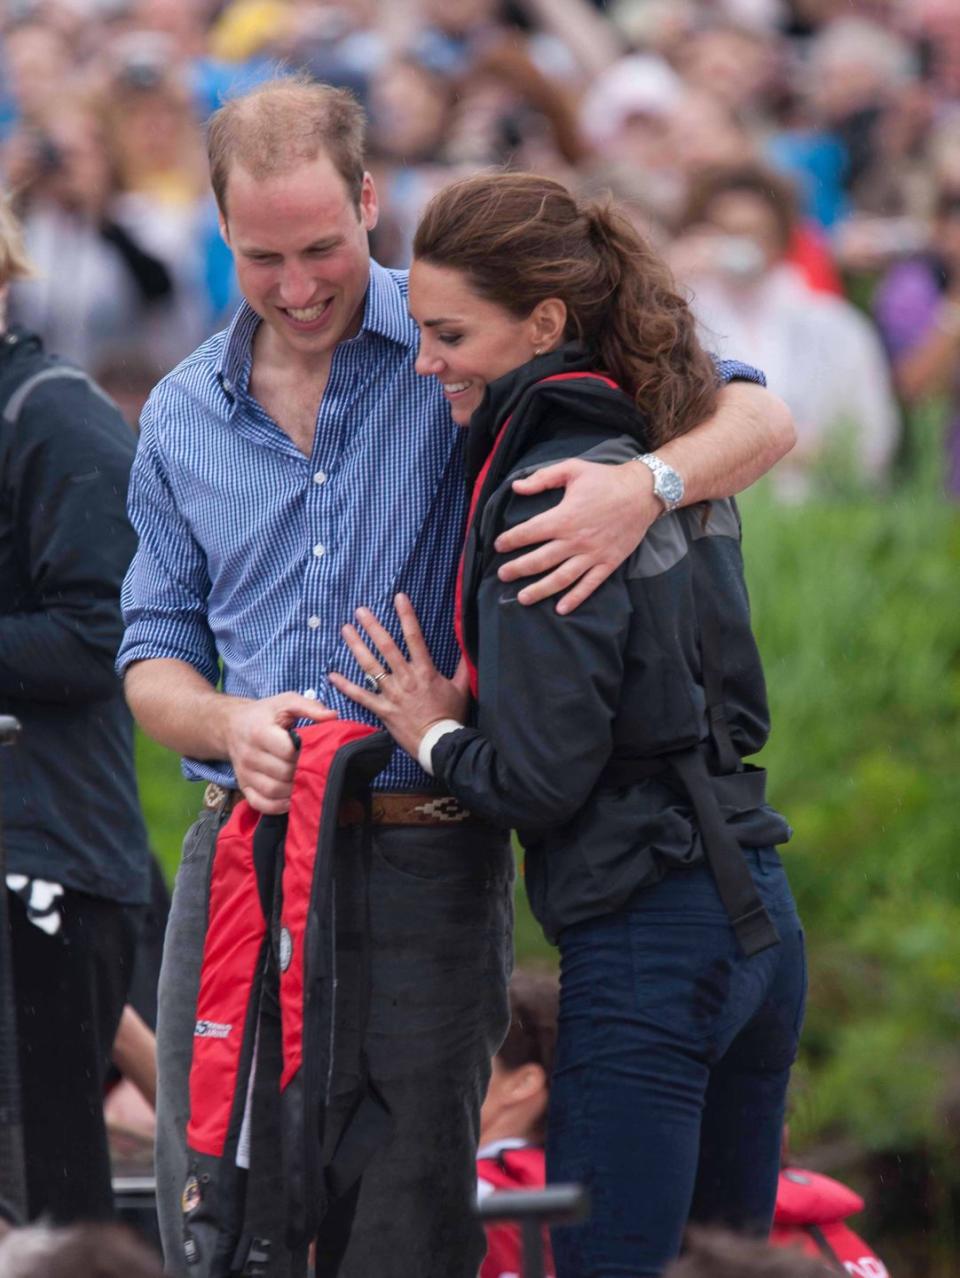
855 608
169 802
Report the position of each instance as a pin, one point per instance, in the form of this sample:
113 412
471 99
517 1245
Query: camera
47 155
142 73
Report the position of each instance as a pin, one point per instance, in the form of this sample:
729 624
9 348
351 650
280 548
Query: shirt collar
384 312
235 357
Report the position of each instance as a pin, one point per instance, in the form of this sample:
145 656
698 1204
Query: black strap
711 658
370 1123
263 1216
820 1238
754 929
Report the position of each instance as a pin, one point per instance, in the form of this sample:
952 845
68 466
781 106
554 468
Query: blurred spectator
855 70
819 352
76 854
514 1112
732 63
509 112
162 198
37 64
410 112
626 116
113 285
151 132
858 101
918 309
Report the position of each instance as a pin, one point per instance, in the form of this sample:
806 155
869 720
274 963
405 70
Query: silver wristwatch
667 484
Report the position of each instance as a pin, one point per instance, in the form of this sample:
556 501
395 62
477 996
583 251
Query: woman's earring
538 351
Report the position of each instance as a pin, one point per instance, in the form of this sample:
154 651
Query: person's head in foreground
82 1251
515 1107
714 1254
510 266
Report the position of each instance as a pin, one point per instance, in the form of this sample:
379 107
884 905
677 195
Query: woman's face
466 341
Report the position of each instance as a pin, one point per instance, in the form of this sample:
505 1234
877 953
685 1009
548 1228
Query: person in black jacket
612 738
76 847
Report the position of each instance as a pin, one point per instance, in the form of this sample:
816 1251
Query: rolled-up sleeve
165 592
734 370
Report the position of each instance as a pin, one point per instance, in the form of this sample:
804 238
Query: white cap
636 85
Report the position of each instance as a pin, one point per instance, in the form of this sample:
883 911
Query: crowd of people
797 160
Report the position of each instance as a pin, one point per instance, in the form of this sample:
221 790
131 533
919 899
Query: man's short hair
281 124
14 263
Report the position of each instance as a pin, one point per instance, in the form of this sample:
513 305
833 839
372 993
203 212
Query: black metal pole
13 1179
533 1210
532 1234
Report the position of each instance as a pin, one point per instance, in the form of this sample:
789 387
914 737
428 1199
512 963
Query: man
291 469
76 847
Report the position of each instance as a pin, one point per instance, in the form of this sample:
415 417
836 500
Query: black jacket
561 699
69 794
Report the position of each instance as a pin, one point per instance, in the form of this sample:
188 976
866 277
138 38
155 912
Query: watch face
669 486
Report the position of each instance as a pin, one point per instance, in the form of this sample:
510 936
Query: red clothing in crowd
811 1214
509 1164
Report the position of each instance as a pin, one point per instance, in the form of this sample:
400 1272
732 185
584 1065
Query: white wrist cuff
430 739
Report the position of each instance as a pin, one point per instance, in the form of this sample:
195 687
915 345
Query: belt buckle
215 797
445 809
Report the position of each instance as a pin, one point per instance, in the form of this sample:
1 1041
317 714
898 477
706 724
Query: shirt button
313 622
318 550
320 477
311 694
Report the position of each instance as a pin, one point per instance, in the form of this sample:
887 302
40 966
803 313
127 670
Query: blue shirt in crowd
252 556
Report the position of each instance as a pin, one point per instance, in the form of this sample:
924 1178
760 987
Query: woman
612 737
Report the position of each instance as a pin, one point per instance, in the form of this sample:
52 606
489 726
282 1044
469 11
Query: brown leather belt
386 808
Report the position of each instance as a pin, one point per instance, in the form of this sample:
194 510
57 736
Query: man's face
301 252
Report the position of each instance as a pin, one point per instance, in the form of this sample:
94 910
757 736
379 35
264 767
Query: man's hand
603 517
607 510
261 749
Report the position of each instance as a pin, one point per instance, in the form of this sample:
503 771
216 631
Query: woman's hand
413 695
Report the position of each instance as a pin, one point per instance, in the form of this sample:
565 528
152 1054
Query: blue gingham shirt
252 556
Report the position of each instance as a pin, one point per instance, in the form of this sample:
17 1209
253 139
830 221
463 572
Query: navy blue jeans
673 1058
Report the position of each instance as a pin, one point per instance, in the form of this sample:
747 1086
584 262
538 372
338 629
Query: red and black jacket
265 1039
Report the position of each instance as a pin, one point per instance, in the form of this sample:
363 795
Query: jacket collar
502 396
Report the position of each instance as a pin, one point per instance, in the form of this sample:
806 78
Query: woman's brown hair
520 238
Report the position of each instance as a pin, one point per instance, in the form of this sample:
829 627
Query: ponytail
520 238
646 337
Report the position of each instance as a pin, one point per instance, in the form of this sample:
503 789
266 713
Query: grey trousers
441 912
